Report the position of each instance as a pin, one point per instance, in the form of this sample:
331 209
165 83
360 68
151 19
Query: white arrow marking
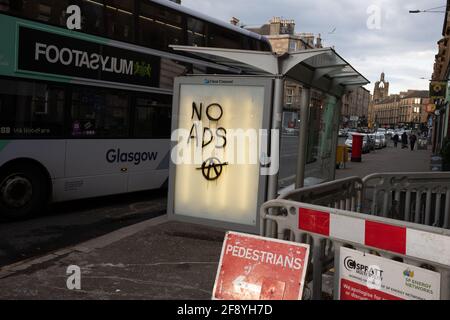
240 286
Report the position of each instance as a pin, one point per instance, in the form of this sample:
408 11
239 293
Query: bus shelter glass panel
322 139
216 170
289 148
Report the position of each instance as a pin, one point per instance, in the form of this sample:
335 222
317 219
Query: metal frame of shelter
320 69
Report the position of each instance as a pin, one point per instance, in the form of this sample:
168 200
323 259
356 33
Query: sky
372 35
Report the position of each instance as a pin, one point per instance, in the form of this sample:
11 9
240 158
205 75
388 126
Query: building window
289 96
31 109
292 45
98 113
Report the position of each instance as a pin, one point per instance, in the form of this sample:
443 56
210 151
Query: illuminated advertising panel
217 147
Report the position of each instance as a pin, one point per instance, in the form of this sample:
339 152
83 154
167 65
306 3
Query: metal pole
336 136
278 98
303 137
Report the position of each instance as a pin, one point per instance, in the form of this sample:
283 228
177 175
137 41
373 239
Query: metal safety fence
330 231
422 198
345 194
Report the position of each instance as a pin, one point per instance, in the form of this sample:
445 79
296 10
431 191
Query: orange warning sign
257 268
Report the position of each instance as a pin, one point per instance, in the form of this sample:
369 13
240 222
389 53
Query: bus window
160 27
93 17
119 19
221 38
153 117
96 113
50 11
196 32
30 109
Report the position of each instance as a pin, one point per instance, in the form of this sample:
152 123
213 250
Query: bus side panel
49 153
88 187
104 167
88 173
149 174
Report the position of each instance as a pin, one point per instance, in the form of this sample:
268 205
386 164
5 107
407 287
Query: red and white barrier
419 244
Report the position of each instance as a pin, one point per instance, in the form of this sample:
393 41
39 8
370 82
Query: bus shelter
310 153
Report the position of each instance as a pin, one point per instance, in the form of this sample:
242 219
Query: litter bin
341 156
357 146
436 163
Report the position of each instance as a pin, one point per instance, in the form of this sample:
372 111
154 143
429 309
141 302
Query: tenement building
407 109
283 38
355 108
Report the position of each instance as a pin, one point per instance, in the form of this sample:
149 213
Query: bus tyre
23 191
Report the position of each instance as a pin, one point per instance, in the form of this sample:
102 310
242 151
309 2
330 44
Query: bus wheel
23 191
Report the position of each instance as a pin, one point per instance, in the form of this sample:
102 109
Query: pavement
155 259
389 159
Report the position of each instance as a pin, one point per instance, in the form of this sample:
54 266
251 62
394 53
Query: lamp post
431 10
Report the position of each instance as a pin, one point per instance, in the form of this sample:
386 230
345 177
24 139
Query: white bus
88 113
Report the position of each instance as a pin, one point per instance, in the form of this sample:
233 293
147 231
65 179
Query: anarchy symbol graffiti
212 169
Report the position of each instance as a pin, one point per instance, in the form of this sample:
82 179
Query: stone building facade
355 108
381 90
441 72
283 38
399 110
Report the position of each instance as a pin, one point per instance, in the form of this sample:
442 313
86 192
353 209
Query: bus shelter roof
322 69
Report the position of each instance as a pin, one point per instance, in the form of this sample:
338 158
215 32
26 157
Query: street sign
438 89
364 276
258 268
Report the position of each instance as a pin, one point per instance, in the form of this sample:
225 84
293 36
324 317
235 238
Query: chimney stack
234 21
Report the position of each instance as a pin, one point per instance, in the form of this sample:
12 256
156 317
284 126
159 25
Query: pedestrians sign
258 268
367 277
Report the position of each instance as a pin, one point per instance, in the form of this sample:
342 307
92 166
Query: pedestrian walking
412 141
404 140
396 139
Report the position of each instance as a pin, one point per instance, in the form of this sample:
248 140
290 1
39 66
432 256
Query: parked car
380 140
383 140
377 140
370 140
343 133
